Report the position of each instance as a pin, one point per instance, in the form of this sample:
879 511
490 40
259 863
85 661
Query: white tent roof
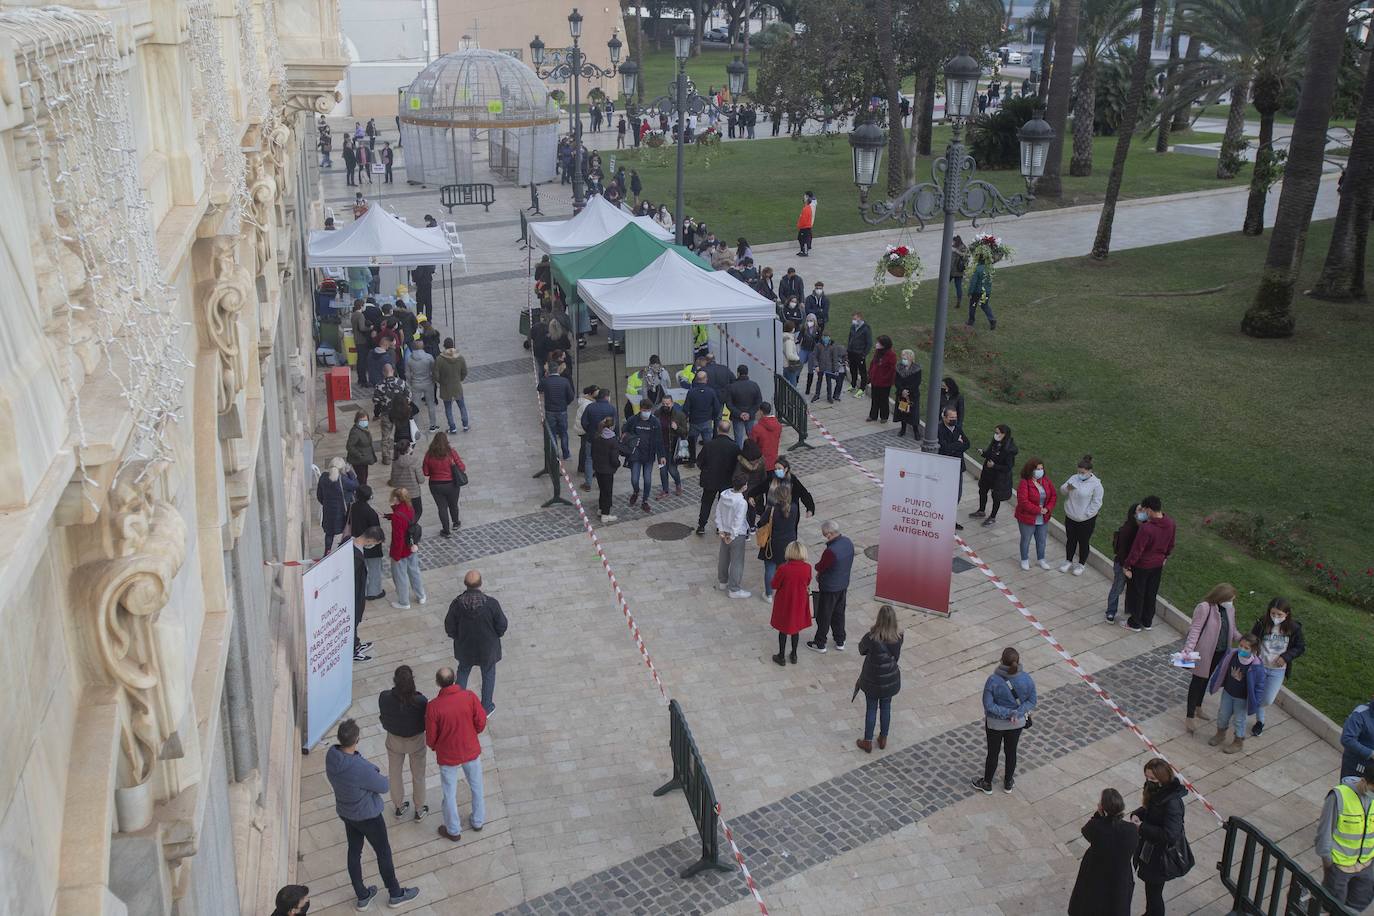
671 292
379 239
598 221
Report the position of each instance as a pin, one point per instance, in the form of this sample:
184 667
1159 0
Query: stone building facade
155 364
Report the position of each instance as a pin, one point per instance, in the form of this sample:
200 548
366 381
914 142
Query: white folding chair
328 212
456 244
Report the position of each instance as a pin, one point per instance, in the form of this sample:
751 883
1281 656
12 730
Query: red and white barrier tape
1020 606
739 858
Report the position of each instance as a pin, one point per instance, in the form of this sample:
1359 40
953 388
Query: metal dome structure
470 99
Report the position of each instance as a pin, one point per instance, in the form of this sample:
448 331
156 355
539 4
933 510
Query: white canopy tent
598 221
379 239
671 292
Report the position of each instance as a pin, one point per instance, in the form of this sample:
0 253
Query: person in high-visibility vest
1345 840
686 375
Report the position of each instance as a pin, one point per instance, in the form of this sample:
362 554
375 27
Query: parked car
1009 56
717 34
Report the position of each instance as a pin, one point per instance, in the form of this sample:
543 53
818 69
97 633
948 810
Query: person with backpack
1162 852
1122 539
362 517
1008 701
405 559
880 679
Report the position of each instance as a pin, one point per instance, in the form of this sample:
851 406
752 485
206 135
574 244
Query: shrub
1287 542
993 137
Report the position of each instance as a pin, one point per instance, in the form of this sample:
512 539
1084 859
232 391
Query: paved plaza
579 740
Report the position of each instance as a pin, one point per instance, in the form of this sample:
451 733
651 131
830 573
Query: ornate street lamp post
682 49
951 191
578 68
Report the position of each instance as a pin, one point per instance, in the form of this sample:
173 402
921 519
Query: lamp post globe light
577 67
952 191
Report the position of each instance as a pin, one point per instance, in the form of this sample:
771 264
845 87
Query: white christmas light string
95 209
213 113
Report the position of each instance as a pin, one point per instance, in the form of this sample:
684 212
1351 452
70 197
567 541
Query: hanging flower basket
901 262
989 249
710 137
654 140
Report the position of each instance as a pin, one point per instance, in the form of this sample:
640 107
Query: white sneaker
1043 564
766 599
400 607
1025 564
1078 569
424 599
1064 567
607 519
720 586
739 593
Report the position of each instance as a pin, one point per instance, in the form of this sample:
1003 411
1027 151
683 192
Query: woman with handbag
447 476
880 679
335 494
1008 700
792 604
1162 853
1105 884
1209 635
778 522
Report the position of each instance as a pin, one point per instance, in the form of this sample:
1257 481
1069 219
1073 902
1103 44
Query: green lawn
754 189
1221 111
706 70
1171 399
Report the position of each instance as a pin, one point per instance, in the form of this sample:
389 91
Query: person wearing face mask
818 303
359 450
1240 678
743 397
1082 501
1159 823
882 372
791 285
605 462
1209 635
952 442
1280 641
643 445
673 423
791 310
292 900
1144 565
829 358
801 496
1009 697
791 354
906 409
1105 884
780 518
1035 499
806 221
995 478
1122 539
808 339
950 397
856 354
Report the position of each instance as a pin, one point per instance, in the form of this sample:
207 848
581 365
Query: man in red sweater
767 432
453 720
1144 565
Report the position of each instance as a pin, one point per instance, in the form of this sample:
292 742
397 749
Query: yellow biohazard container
350 351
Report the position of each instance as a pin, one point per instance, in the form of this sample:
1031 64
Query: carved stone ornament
125 592
223 300
263 192
318 103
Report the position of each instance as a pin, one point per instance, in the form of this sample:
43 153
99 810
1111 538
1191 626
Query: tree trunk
887 57
927 131
1184 115
1166 121
745 59
639 58
1102 244
699 9
1259 177
1046 56
1272 313
1233 140
1343 273
1081 165
913 146
1061 76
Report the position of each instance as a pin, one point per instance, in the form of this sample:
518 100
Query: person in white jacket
1082 501
732 526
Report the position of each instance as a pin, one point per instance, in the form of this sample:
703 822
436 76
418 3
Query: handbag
460 476
682 450
1017 698
1178 858
763 535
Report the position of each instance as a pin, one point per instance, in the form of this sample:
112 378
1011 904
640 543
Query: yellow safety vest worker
700 333
1352 840
686 375
634 384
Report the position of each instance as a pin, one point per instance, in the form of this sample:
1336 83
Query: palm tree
1343 273
1172 23
1065 39
1271 315
1256 43
1102 244
1101 25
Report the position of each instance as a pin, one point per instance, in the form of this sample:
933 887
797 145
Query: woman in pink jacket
1213 619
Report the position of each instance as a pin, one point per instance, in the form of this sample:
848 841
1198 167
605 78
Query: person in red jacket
440 461
453 720
405 559
767 432
791 600
882 372
1144 565
806 221
1035 499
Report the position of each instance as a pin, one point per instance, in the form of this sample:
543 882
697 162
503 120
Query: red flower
1272 542
1207 520
1319 566
1309 564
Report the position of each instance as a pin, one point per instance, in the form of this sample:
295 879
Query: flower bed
1286 542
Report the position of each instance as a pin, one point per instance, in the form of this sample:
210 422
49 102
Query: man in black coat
717 465
952 442
792 286
476 623
370 538
422 278
717 376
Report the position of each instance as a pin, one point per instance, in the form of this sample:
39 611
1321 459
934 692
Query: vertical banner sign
328 641
916 529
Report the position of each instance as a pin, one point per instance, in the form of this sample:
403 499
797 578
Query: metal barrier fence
551 452
791 408
524 239
1276 885
689 775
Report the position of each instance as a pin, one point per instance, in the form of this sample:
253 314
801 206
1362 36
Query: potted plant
986 250
901 262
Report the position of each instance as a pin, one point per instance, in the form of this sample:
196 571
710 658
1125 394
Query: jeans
462 411
1079 534
1272 683
405 574
742 428
1231 707
830 608
584 460
730 562
374 575
1026 533
448 778
445 495
558 428
834 386
958 290
488 682
374 831
985 303
669 469
875 706
698 431
769 567
329 537
792 373
424 394
641 470
605 485
1114 593
997 740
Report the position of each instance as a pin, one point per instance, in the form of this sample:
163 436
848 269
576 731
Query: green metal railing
689 775
1275 885
791 408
